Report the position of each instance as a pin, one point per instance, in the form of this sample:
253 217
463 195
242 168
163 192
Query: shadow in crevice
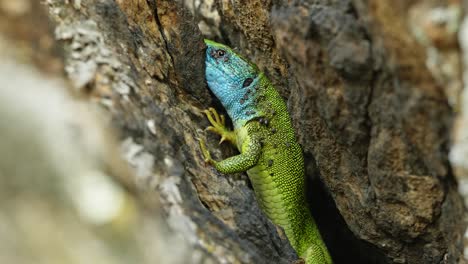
343 245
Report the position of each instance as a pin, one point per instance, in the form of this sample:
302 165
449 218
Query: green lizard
265 138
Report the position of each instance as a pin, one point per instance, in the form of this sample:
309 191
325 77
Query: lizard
269 153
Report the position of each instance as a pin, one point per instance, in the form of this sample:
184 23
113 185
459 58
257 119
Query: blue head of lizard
233 79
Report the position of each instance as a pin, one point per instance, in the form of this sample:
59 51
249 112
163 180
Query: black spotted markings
247 82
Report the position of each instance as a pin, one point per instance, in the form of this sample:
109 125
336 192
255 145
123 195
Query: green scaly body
272 158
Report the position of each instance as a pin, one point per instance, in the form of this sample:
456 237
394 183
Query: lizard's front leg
248 157
218 126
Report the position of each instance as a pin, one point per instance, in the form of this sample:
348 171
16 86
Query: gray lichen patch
141 161
177 219
90 60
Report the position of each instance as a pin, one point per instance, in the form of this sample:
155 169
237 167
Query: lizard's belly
269 195
277 179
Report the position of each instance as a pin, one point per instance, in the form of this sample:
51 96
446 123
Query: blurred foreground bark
373 122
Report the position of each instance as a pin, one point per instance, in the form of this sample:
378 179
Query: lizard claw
223 138
217 126
206 154
211 128
215 114
215 119
223 120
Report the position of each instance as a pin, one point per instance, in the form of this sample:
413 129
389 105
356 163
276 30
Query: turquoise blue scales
238 96
268 150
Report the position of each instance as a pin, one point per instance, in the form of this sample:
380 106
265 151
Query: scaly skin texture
268 149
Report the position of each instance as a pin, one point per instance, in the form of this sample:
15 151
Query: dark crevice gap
343 245
161 29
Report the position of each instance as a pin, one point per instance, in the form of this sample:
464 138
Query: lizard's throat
239 102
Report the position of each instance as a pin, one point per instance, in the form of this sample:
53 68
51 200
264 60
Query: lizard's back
267 143
278 178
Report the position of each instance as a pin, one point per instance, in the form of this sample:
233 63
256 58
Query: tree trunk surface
373 122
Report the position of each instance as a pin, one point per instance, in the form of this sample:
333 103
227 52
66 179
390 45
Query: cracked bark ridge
143 61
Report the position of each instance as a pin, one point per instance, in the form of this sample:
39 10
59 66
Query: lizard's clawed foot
218 126
205 152
215 119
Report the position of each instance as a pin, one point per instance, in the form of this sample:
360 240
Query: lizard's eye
220 53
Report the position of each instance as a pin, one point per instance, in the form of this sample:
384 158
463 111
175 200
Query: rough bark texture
373 123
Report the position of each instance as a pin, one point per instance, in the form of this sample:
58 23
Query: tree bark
373 123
